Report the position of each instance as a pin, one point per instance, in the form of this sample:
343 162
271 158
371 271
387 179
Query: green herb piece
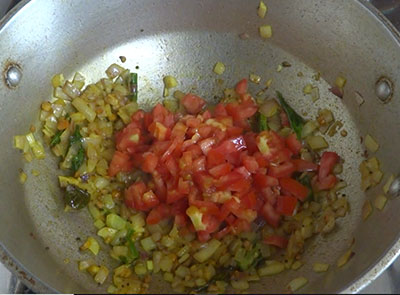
76 197
296 121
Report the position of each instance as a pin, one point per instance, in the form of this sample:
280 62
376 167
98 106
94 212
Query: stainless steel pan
40 242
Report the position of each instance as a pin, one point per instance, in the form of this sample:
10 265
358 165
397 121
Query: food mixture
206 195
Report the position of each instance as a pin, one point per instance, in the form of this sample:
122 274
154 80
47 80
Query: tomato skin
295 188
150 200
220 170
133 196
214 158
327 182
150 161
241 87
275 240
285 205
304 166
261 181
234 144
328 161
220 110
270 215
120 163
293 143
250 163
283 170
157 214
192 103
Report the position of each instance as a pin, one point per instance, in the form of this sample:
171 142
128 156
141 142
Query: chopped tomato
241 87
270 215
223 232
157 214
250 163
295 188
220 110
304 166
134 196
261 181
293 143
328 161
220 170
278 241
285 205
120 162
192 103
327 182
149 163
214 158
282 170
232 145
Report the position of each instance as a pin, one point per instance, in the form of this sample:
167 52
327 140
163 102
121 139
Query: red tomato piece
150 161
283 170
203 236
173 196
180 220
284 119
128 138
240 225
150 200
295 188
172 166
293 143
250 163
204 130
211 222
285 205
157 214
270 215
214 158
206 145
222 233
304 166
262 181
204 181
328 161
220 110
220 170
249 200
158 130
278 241
199 164
241 87
133 196
183 186
120 163
232 145
192 103
327 182
179 130
193 122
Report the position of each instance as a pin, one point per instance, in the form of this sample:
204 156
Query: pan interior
306 35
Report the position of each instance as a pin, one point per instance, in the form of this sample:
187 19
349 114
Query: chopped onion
296 265
240 284
388 183
262 9
371 143
255 78
22 177
84 108
308 128
101 275
320 267
345 257
380 202
307 89
272 268
297 283
170 82
114 70
58 80
70 90
78 81
315 94
340 82
219 68
316 142
265 31
269 108
366 210
205 253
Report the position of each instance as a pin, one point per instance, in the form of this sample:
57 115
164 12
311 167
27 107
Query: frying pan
39 241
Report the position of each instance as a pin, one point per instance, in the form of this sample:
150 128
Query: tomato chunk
295 188
285 205
192 103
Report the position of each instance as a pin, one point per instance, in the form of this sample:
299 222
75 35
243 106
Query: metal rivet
394 189
384 89
13 75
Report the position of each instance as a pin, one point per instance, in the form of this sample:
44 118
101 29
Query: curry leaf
296 121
